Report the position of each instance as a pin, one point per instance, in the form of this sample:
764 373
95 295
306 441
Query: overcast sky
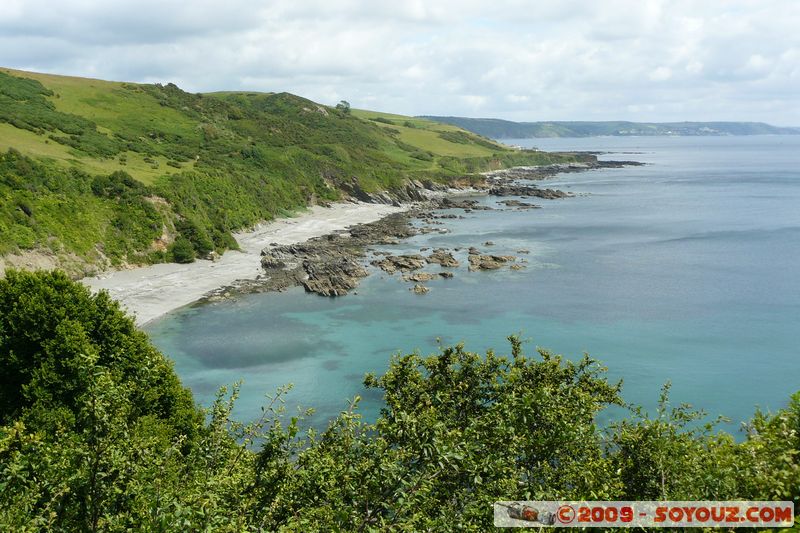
646 60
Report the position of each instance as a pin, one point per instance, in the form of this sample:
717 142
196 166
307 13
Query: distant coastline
506 129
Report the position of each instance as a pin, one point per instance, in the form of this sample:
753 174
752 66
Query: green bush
96 433
182 250
422 156
53 331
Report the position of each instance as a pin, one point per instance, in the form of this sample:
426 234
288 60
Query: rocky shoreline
334 264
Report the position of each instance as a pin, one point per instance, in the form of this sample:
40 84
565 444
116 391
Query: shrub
182 250
96 434
52 328
422 156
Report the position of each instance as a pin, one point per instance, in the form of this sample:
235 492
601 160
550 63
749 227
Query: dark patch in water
330 364
219 352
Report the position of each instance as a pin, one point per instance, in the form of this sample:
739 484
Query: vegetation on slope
97 434
505 129
194 167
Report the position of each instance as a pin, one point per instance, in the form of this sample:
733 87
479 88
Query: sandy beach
152 291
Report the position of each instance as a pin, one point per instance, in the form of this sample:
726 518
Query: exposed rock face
511 189
332 278
489 262
446 275
419 277
419 289
547 171
403 263
412 191
462 203
330 265
520 205
443 258
269 262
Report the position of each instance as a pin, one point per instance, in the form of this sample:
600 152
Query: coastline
153 291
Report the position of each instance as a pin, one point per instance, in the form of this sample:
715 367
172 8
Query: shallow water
682 270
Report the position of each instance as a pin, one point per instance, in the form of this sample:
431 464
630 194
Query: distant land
505 129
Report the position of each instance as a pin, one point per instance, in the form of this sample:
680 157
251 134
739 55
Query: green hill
96 173
505 129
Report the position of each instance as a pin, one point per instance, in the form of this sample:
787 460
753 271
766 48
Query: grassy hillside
106 173
505 129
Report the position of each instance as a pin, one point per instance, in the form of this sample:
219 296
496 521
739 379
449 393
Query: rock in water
419 289
403 263
419 276
333 278
443 258
489 262
527 190
520 205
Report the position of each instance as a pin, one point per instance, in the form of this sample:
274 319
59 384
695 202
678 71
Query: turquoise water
684 270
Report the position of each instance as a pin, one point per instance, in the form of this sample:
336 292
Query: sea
683 271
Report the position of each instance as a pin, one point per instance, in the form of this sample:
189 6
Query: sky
525 60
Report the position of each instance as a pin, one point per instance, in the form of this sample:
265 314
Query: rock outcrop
513 189
332 278
489 262
419 277
331 265
519 205
463 203
403 263
442 257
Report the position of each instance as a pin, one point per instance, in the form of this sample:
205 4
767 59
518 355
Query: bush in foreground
98 434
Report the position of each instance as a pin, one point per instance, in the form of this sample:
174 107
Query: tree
49 325
89 409
344 107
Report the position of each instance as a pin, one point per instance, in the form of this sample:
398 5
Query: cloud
548 60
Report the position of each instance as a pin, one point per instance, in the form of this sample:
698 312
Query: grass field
38 146
426 135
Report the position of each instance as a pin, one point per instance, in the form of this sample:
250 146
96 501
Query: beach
152 291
